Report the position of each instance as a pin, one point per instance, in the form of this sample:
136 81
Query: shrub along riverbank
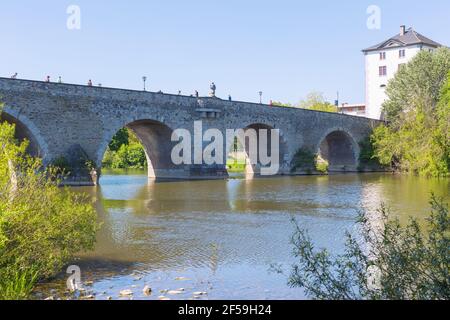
41 226
386 261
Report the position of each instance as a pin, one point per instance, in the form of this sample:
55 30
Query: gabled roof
411 37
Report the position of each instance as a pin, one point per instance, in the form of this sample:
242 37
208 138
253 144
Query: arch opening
266 159
236 158
22 133
339 151
143 144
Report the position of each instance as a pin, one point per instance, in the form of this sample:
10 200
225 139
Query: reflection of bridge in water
61 118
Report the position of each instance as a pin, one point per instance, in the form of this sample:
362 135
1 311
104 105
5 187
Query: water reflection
225 234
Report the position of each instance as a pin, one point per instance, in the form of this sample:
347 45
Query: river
222 237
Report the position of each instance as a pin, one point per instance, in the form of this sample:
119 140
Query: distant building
383 61
353 109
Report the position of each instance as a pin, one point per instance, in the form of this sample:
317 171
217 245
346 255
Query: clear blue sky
284 48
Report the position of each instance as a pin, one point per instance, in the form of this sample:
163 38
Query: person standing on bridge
89 83
47 79
196 93
14 76
229 97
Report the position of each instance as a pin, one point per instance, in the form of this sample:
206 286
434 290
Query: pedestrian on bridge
14 76
47 79
89 83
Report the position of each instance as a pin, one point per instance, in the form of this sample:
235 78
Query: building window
402 53
383 71
382 55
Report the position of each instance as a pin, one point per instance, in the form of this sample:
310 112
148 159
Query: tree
389 262
41 226
416 138
314 101
417 86
127 152
119 139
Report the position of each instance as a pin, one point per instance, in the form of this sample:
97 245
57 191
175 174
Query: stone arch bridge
56 118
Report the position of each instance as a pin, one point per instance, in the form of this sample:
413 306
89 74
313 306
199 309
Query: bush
41 225
304 160
61 166
322 166
388 262
307 161
367 156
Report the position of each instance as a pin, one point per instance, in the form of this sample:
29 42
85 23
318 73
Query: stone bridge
56 118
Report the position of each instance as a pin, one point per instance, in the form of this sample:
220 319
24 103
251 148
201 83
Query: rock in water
175 292
126 293
147 290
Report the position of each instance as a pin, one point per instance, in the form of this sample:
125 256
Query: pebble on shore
126 293
147 290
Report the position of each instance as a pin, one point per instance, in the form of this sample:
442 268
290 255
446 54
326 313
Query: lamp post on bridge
144 79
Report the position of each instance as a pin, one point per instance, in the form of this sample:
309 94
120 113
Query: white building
383 61
358 110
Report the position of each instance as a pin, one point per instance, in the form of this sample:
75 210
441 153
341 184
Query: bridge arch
338 147
255 169
155 137
26 130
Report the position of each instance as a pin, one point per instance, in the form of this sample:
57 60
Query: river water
222 237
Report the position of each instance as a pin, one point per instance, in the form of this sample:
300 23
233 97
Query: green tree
41 226
127 152
417 86
416 139
314 101
389 262
119 139
282 104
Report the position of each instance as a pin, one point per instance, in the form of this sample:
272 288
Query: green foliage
388 262
41 225
127 153
17 284
314 101
416 139
307 161
322 166
236 165
304 160
121 138
135 156
283 104
417 86
367 156
61 166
